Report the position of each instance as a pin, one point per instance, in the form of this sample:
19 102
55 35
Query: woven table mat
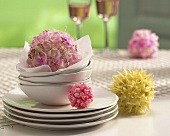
8 77
105 64
108 63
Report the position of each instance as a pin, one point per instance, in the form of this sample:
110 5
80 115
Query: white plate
102 99
62 78
63 120
65 126
56 115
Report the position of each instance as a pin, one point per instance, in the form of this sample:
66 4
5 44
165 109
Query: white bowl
62 78
49 94
42 74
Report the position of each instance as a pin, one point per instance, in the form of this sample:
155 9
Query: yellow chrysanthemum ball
135 89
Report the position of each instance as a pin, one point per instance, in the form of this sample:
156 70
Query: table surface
105 64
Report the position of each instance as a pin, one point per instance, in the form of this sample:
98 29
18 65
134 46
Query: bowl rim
63 74
59 84
44 74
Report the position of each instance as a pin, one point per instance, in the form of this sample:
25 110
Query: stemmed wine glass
79 10
106 9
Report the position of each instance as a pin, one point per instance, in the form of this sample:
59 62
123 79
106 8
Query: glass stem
79 30
106 34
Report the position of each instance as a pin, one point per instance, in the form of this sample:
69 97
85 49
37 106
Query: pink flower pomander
54 48
80 95
143 44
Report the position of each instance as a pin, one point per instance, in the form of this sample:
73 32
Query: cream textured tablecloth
105 64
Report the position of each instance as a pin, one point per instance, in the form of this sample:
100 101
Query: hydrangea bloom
53 48
80 95
143 44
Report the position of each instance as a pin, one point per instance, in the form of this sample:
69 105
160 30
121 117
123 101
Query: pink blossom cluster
80 95
54 48
143 44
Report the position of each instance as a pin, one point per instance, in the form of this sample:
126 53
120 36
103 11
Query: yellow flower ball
135 89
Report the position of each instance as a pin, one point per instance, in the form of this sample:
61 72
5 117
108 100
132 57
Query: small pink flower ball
80 95
143 44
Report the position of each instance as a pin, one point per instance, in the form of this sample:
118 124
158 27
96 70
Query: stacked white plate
21 109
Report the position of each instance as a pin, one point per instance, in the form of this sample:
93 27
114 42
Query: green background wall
20 20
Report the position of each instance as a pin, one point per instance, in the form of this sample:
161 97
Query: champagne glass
79 10
106 9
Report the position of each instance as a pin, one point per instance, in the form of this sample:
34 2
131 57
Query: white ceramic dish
49 94
27 83
102 99
62 120
62 78
65 126
42 74
57 115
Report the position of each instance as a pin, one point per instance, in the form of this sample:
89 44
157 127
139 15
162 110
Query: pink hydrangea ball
53 48
143 44
80 95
